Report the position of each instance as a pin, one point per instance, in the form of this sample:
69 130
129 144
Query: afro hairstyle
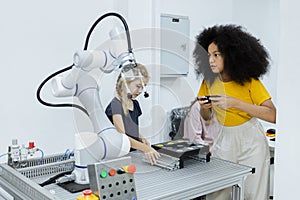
244 56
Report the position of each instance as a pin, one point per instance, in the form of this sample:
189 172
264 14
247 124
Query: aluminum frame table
195 179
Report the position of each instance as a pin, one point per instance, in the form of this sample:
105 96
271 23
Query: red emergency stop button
87 192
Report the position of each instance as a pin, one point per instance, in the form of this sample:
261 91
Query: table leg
238 191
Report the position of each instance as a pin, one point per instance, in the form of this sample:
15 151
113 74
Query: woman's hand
151 154
223 101
206 106
204 102
265 111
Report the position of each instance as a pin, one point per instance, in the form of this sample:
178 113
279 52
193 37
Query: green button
103 174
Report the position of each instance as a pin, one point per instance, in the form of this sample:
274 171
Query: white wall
38 38
264 24
287 159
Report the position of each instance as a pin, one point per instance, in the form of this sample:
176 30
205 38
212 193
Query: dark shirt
131 121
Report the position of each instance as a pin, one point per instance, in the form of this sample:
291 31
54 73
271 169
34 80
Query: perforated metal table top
195 179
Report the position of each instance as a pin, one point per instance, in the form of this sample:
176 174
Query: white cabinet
174 52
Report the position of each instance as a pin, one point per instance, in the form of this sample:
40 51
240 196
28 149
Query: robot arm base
91 147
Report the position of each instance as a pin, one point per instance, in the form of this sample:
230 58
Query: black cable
102 17
38 93
53 178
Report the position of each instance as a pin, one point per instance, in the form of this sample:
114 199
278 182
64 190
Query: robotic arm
105 142
85 61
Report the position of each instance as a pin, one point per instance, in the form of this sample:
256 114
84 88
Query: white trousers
245 144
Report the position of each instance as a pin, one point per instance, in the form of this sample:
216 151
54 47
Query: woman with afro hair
236 60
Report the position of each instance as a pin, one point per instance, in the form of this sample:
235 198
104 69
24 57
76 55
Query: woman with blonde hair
124 110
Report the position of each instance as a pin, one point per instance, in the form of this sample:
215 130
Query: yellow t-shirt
252 92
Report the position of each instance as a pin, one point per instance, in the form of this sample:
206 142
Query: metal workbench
195 179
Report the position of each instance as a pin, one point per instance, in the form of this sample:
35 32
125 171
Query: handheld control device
208 98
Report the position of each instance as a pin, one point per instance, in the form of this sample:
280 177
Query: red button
112 172
131 169
31 145
87 192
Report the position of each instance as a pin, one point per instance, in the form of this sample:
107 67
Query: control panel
113 179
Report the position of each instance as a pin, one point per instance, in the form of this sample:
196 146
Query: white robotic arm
85 61
105 142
